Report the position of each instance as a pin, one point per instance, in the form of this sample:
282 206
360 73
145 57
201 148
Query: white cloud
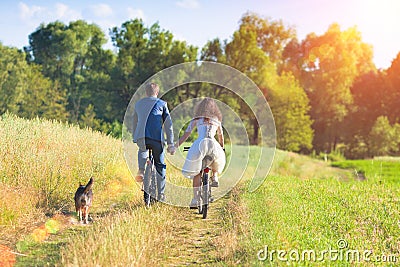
34 15
101 10
63 12
135 13
26 12
188 4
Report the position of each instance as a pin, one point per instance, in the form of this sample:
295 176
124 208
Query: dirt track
193 240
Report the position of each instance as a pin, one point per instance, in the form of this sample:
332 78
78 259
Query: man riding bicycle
150 114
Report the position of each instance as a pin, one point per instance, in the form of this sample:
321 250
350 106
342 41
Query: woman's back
207 127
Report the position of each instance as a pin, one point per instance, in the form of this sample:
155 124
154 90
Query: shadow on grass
43 247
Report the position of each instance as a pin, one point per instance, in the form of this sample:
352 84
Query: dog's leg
77 212
80 214
84 214
87 214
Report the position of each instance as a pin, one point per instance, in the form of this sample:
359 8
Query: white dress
204 145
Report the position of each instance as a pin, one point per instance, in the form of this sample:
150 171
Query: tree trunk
256 129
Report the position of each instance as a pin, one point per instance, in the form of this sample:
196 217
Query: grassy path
131 235
194 238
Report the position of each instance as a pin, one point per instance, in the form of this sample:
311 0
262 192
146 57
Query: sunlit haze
198 21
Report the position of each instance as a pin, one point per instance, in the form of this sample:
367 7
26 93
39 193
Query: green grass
382 169
293 214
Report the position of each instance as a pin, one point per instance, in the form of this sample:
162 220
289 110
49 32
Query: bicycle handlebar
186 148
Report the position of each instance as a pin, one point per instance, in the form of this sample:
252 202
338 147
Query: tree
72 56
213 51
255 64
290 106
329 64
271 36
142 52
393 84
370 99
24 91
384 138
264 40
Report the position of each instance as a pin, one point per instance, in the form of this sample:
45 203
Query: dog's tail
89 185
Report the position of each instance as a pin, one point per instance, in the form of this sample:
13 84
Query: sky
197 21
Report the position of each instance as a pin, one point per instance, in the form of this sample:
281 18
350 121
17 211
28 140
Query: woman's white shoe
214 181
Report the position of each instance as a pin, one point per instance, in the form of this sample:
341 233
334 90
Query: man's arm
134 124
168 128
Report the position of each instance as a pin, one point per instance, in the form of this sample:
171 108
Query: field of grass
380 169
303 205
322 212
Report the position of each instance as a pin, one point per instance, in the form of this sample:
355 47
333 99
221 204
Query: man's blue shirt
149 116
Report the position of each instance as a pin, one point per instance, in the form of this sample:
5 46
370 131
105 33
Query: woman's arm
183 138
186 134
220 136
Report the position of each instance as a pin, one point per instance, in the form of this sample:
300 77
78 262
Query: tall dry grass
41 165
133 237
43 162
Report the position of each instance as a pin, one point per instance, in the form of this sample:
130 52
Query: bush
384 139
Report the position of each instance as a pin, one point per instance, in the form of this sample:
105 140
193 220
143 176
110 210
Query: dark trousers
159 160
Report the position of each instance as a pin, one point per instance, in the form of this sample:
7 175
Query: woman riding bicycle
207 119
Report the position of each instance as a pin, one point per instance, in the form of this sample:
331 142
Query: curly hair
208 108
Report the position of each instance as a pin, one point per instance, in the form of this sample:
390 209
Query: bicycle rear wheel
146 184
204 195
149 184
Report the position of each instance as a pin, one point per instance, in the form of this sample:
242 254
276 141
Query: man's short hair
152 89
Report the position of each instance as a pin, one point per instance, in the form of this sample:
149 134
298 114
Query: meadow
304 205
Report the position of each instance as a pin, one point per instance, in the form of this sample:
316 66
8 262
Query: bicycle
205 189
149 187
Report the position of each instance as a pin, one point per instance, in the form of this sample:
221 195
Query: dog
83 200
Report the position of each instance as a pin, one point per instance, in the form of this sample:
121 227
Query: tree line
325 92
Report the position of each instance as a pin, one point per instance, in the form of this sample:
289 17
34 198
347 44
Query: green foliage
288 101
290 107
142 52
72 56
333 156
384 139
272 35
329 64
24 90
392 90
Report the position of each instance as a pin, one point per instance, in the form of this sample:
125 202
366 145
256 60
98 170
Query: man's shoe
161 198
139 176
194 203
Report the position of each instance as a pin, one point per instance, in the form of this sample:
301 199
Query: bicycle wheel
153 185
146 185
200 207
205 195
